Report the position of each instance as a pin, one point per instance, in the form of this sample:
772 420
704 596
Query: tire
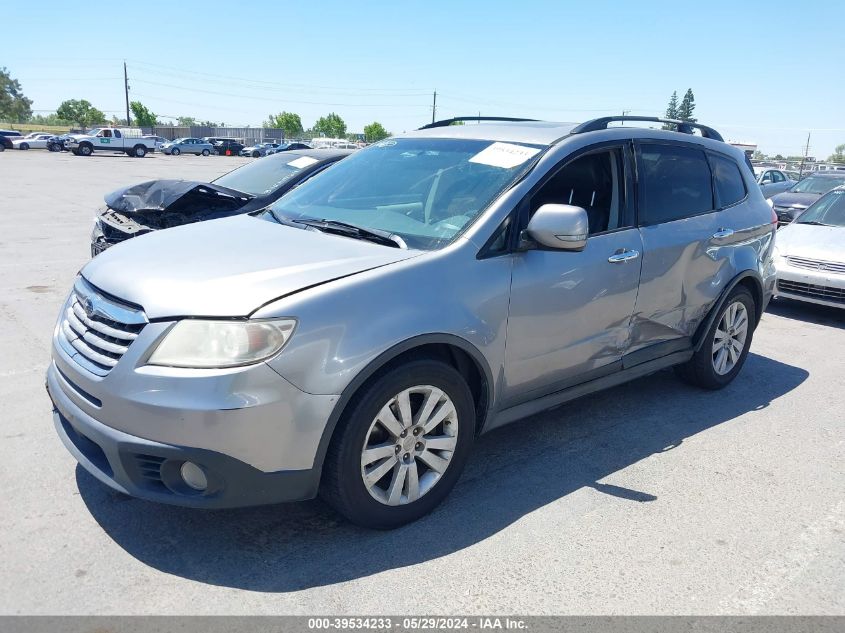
343 486
716 364
256 154
2 147
205 152
75 152
24 146
140 151
175 151
85 149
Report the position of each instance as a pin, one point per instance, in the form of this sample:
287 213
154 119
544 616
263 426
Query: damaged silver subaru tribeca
353 339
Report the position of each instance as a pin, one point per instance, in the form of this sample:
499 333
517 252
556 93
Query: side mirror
559 226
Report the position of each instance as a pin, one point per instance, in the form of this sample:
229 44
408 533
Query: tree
758 155
289 122
186 121
838 155
375 132
143 116
672 110
14 106
687 107
330 125
47 119
80 111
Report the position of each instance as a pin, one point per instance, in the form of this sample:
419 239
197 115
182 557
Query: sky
766 72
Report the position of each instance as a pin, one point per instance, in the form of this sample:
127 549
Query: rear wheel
175 151
725 346
205 152
400 446
140 151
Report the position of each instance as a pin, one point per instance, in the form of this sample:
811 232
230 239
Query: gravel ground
651 498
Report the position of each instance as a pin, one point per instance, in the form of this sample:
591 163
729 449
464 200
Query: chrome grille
826 293
816 264
96 330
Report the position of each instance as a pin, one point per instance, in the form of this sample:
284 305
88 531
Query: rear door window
727 178
674 183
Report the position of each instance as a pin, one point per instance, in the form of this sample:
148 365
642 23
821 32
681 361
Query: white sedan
36 140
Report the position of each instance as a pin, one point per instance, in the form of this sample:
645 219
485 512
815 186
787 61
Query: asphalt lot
651 498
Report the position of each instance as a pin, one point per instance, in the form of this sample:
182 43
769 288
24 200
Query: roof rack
447 122
685 127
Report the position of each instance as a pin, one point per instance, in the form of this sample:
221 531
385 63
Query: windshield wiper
814 223
350 230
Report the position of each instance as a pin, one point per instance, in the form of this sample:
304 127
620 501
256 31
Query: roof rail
684 127
447 122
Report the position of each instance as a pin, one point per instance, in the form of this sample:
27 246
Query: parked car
158 140
129 141
55 143
791 203
36 140
187 146
286 147
810 253
350 339
259 149
228 147
6 137
773 181
161 204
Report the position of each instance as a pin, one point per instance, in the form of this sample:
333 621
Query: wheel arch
748 278
454 350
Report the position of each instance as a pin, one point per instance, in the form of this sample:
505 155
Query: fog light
194 476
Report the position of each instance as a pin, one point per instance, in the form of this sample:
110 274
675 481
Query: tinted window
593 182
729 186
674 183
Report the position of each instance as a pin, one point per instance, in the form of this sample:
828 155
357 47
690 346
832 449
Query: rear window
730 188
675 183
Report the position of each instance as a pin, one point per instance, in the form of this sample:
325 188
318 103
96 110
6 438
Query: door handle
722 233
622 256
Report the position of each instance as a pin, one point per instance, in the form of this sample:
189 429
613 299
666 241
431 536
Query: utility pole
806 153
434 106
126 91
625 113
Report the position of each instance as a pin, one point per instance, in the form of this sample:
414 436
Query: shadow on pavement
808 312
513 471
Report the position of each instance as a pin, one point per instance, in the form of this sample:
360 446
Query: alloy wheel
409 445
729 339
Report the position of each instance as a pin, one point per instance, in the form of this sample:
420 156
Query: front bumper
814 286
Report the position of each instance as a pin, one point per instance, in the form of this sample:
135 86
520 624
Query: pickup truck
111 139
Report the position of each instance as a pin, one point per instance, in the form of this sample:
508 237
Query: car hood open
826 243
229 267
161 195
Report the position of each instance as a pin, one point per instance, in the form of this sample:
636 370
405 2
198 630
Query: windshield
263 177
426 191
817 184
95 131
829 209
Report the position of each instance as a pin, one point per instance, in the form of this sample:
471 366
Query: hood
800 200
814 242
177 196
228 267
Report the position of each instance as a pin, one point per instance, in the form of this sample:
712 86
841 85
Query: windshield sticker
505 155
302 162
387 143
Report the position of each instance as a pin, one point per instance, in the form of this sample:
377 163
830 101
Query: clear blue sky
763 71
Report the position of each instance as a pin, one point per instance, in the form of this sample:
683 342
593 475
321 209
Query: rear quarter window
727 178
674 183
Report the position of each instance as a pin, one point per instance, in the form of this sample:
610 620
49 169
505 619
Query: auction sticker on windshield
302 162
505 155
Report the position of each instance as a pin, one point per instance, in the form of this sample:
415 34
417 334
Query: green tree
330 125
375 132
14 106
758 155
687 107
47 119
80 111
672 110
186 121
838 155
289 122
144 117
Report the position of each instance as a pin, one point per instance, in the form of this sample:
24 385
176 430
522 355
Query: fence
246 135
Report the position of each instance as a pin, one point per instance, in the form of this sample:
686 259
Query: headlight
97 230
199 343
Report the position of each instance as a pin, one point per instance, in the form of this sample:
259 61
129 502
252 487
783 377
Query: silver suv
354 338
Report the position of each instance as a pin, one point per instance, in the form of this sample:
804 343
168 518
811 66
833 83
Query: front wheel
175 151
400 446
85 149
24 145
726 343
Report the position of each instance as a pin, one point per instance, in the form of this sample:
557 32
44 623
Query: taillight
774 217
